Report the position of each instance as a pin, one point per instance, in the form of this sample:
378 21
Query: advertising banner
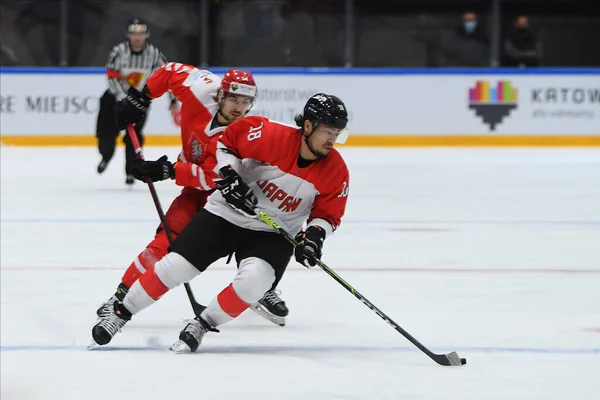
382 107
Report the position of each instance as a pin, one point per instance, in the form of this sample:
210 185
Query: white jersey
265 154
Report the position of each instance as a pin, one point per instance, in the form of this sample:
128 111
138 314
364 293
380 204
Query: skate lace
113 323
106 308
197 328
272 297
194 328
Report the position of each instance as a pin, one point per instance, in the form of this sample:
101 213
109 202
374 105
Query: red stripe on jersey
231 303
113 74
193 175
153 285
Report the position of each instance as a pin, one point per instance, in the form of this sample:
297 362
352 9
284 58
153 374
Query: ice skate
107 307
110 324
129 179
272 307
102 166
191 336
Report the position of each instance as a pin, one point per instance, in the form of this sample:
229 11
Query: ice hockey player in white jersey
293 174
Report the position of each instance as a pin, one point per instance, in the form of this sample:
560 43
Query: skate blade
93 345
266 314
180 347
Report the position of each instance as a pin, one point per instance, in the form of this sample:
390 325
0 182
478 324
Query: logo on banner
493 103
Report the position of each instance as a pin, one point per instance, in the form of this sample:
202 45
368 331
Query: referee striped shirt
126 68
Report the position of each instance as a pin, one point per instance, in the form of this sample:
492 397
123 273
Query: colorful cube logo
492 104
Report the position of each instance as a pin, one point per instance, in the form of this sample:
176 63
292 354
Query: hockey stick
197 307
450 359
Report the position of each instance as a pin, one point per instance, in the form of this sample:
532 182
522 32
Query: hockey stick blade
196 307
451 359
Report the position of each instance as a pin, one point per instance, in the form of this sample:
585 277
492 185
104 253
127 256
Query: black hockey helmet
137 25
327 109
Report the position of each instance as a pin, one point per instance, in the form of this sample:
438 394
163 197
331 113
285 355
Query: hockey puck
463 361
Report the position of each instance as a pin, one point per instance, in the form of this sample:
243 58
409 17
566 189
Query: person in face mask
469 23
469 46
521 46
471 28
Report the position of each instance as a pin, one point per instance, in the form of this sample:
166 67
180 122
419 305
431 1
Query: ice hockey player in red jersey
293 174
208 105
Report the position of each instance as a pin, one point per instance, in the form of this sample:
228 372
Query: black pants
208 238
107 132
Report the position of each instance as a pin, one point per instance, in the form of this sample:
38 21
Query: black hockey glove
310 246
132 108
158 170
236 192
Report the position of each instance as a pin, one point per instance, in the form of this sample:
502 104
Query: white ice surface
494 253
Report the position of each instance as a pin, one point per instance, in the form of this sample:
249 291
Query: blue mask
470 26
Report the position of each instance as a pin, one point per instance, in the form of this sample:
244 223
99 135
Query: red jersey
197 91
265 153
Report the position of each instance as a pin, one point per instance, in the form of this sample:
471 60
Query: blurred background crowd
308 33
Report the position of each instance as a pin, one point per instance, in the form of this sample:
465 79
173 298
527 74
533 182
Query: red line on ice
349 269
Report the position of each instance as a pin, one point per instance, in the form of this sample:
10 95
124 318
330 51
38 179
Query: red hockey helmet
239 82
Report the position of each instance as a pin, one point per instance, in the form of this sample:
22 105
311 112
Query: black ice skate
102 166
107 307
191 336
272 307
129 180
110 324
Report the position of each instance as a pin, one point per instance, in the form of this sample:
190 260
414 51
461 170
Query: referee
129 65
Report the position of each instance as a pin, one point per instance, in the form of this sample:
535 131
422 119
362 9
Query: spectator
471 29
521 45
469 46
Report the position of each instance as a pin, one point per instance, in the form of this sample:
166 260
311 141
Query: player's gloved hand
132 108
158 170
236 192
310 246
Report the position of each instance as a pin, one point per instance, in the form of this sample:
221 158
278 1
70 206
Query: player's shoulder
265 129
247 125
253 119
335 162
254 122
202 81
207 75
282 130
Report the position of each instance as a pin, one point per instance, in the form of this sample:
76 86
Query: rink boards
388 107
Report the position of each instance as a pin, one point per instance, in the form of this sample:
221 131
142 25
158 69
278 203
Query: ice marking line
346 222
346 269
307 348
